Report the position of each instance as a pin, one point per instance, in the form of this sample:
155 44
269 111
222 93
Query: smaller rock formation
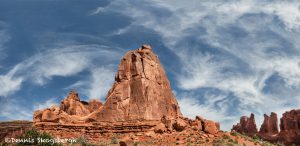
269 128
246 126
289 128
71 110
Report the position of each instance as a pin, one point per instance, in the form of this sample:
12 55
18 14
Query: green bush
234 133
114 140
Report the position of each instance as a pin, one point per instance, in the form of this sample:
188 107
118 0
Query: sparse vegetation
234 133
114 140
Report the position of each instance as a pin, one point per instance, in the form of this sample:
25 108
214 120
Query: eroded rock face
141 90
71 110
73 106
290 127
270 125
211 127
246 126
269 128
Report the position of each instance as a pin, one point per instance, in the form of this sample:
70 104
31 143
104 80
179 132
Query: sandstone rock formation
269 128
71 110
246 126
289 128
140 100
141 90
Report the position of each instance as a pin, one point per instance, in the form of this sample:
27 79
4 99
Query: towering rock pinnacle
270 125
141 90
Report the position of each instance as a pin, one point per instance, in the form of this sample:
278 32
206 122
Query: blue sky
223 59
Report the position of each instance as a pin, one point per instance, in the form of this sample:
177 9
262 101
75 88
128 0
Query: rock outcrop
141 90
289 128
71 110
269 128
140 100
246 126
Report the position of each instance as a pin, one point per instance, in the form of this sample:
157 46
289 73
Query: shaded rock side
270 125
246 126
141 90
290 127
269 128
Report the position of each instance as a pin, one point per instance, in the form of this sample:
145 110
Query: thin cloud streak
249 42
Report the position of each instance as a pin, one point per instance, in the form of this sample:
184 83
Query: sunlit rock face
141 90
246 126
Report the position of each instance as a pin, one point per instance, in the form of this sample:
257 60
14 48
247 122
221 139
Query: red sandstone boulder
246 126
179 124
211 127
160 128
50 114
197 123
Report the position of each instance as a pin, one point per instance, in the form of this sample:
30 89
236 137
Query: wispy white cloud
61 61
10 111
4 38
248 43
97 84
48 103
214 108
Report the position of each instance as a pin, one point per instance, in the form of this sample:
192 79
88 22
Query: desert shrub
230 140
234 133
83 141
226 137
114 140
136 144
279 144
255 137
236 141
